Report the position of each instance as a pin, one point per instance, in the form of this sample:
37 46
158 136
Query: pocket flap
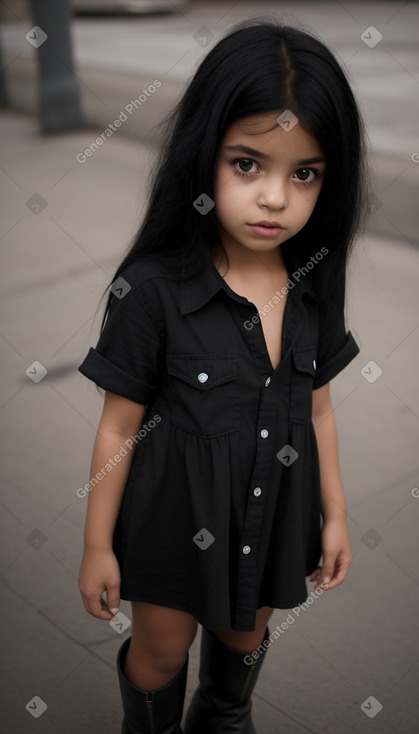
305 359
203 371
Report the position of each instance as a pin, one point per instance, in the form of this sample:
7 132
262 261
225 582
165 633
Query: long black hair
260 65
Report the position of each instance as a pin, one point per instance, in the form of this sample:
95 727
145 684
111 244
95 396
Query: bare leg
160 640
247 641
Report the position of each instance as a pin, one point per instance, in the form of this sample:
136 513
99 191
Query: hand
337 555
99 572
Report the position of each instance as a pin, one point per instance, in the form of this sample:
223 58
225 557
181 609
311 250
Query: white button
264 433
246 549
257 491
267 382
314 363
202 377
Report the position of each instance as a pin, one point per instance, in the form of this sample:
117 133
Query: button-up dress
221 510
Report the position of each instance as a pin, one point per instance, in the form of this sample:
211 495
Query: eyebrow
258 154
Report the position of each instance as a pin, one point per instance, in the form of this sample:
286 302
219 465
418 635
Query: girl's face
272 177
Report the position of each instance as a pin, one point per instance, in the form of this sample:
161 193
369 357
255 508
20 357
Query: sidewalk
351 643
117 58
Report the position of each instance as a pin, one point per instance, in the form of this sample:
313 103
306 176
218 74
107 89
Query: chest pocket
302 376
205 394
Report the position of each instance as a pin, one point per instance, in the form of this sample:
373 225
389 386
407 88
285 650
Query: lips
267 229
265 223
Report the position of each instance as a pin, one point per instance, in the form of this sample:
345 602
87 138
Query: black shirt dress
221 510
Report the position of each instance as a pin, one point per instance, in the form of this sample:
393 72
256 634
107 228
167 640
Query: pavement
346 663
115 59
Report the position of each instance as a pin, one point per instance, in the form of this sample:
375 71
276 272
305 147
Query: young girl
216 485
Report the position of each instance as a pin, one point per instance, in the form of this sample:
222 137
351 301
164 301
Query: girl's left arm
336 545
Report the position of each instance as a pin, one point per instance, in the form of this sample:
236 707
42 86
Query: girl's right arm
99 570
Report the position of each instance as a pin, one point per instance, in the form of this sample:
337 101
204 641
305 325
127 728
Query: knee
169 660
166 656
162 636
240 641
169 665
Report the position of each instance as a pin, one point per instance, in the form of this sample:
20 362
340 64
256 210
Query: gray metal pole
4 100
59 103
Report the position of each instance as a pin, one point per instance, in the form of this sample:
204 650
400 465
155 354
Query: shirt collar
196 291
300 277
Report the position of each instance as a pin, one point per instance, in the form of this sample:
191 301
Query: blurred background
73 74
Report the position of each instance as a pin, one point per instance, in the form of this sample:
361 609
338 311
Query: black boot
222 702
151 712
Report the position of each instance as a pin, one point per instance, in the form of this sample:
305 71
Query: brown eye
245 164
307 176
303 174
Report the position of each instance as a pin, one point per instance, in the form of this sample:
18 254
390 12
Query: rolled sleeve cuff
335 364
110 377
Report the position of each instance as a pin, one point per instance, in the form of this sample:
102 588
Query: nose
274 193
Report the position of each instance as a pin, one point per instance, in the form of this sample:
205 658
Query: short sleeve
336 348
126 358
